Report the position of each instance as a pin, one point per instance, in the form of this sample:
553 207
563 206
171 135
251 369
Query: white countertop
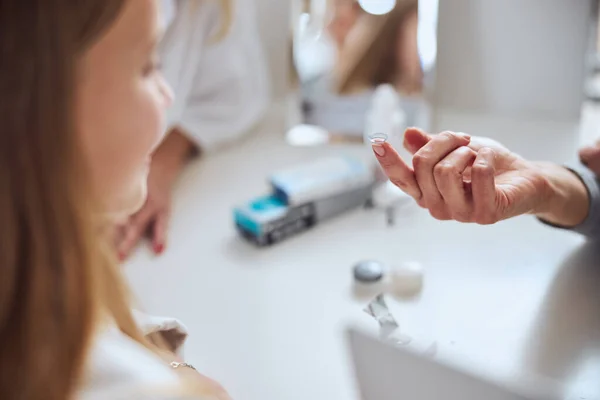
510 299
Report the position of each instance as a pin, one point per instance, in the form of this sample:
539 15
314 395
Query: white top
221 84
121 368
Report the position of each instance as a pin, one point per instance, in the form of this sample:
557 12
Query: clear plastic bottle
387 121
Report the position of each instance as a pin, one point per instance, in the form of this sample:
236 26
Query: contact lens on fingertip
378 138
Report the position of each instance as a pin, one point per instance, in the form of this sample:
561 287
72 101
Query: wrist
551 197
564 199
173 153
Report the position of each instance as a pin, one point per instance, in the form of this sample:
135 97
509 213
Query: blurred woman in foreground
83 105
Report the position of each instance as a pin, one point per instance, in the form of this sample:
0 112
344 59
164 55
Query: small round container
369 279
368 271
407 279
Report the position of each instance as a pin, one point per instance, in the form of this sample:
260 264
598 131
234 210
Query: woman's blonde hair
227 20
57 277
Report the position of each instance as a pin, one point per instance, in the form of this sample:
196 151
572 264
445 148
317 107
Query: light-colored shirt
118 367
221 84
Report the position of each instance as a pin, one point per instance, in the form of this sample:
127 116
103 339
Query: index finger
159 232
589 153
414 139
397 170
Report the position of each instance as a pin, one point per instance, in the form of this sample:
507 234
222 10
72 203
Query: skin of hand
473 179
153 218
590 156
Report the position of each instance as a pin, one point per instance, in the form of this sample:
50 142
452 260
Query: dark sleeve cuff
590 227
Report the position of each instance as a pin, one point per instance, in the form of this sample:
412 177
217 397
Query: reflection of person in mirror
212 56
344 14
370 50
376 49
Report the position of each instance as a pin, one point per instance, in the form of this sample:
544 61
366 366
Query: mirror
356 60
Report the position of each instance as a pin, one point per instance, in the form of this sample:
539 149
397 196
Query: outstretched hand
463 178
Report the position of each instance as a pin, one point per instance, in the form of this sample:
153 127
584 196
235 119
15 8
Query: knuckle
481 170
486 218
444 170
399 183
462 215
486 151
448 134
467 151
439 214
451 136
421 203
421 160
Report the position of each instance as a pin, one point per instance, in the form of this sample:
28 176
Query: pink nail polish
159 248
379 150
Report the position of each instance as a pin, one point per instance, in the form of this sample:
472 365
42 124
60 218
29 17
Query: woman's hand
465 178
590 156
153 218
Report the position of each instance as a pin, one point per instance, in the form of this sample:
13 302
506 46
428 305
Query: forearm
174 152
567 200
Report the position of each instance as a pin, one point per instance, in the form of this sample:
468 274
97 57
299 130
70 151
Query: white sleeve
228 90
173 332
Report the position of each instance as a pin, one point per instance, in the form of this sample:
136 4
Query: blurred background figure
364 47
212 56
376 49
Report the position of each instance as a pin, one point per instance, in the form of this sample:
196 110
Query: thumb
414 139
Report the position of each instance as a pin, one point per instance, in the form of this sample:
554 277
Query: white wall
512 57
274 25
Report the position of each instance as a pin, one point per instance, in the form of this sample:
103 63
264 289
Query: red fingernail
159 248
122 256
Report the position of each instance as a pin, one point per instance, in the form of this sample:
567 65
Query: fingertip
414 139
416 134
465 136
379 149
159 233
413 130
159 248
587 153
487 154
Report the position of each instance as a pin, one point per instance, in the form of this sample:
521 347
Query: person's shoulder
119 367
